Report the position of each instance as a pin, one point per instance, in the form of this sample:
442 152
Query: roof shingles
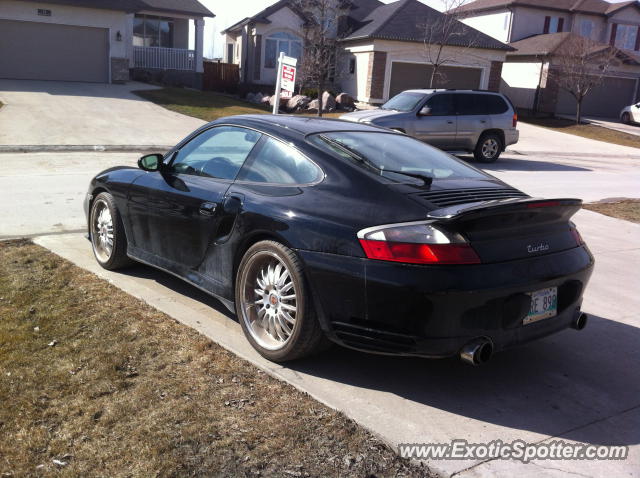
598 7
184 7
408 20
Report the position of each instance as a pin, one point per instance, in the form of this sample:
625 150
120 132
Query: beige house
384 49
537 30
101 40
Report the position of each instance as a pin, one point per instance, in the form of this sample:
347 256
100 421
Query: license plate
544 304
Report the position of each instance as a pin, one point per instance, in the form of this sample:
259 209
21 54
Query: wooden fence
220 76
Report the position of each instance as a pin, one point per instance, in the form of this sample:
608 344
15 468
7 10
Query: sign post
285 81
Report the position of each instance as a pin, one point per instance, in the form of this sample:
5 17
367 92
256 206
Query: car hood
365 116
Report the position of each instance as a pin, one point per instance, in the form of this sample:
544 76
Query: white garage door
407 76
45 51
606 101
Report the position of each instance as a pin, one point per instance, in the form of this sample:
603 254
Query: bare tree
321 47
581 66
442 30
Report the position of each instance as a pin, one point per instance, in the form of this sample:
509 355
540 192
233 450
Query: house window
626 36
149 30
352 66
586 28
281 42
553 24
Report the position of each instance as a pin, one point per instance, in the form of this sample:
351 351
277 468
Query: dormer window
553 25
626 36
586 28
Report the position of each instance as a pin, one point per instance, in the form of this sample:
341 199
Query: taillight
416 243
576 235
515 119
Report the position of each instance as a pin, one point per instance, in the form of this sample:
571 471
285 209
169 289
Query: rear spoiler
569 207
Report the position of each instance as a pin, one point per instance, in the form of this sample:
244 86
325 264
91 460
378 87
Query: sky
229 12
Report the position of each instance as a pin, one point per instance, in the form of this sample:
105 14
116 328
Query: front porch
160 50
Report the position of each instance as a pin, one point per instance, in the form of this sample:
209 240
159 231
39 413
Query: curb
82 148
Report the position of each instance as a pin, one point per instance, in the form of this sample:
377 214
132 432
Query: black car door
174 214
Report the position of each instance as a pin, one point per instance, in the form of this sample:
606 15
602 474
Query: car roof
429 91
303 125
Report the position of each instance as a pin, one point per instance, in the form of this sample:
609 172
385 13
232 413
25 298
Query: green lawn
206 105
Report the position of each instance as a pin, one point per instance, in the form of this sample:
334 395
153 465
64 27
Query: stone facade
495 76
119 70
377 70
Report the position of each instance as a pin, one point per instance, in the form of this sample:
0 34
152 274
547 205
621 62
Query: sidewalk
581 386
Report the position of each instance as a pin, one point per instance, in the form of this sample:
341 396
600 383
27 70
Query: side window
472 104
441 105
275 162
216 153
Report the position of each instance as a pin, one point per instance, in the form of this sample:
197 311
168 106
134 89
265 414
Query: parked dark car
312 229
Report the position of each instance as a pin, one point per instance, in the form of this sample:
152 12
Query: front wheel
107 233
273 304
626 118
488 148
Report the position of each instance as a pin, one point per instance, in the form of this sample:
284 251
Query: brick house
384 51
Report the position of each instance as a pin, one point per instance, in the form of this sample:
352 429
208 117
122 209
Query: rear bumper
511 136
432 311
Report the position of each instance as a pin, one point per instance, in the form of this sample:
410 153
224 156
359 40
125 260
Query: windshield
403 102
395 152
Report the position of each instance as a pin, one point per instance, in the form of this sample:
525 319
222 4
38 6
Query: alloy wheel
102 234
269 301
490 148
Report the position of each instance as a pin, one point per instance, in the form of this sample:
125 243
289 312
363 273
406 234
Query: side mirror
425 111
150 162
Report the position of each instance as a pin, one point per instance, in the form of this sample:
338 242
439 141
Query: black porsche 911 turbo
315 229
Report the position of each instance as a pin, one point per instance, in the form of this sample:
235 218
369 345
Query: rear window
397 152
480 104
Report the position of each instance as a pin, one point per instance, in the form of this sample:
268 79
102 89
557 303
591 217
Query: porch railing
164 58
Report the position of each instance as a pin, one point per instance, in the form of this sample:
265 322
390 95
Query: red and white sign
285 81
288 81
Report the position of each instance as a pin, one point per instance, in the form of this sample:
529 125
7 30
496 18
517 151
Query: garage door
407 76
45 51
606 101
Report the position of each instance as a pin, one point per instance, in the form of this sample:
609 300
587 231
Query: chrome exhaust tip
477 351
580 322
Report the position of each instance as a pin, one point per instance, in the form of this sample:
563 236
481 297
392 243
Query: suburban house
383 49
537 29
102 40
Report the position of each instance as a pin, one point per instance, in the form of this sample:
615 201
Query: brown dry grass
110 386
207 105
629 210
590 131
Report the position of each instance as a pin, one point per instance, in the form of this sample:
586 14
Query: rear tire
274 305
488 148
626 118
107 235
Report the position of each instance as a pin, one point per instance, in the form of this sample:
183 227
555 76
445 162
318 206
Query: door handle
450 122
207 208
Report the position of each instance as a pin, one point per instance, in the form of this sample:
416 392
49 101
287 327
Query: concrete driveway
550 143
55 113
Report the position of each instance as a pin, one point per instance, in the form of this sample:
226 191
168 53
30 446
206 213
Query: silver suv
480 122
